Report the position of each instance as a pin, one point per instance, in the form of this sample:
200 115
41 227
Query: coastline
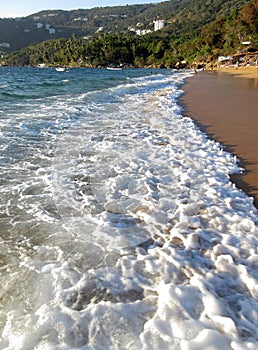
223 102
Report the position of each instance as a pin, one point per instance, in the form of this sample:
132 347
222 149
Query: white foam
149 246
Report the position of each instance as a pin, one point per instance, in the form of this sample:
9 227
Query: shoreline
223 103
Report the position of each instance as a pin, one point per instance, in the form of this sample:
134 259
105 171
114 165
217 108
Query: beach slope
224 103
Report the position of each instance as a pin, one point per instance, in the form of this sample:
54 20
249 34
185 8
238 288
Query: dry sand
225 106
241 71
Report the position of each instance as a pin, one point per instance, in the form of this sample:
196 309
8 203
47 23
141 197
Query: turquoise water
119 226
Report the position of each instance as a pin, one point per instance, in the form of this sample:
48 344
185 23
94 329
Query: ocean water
119 226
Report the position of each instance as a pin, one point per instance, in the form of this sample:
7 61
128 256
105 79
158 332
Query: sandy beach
241 71
224 103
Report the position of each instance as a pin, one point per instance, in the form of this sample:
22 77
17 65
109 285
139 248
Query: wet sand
225 106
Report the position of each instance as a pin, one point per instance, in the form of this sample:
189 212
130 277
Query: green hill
194 31
182 17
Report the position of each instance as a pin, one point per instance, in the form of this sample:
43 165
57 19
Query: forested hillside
184 16
194 31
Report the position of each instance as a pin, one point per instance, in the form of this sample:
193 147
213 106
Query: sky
18 8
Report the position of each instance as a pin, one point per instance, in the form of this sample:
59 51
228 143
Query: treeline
112 49
222 36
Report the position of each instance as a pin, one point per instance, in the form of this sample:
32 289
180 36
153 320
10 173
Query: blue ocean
119 225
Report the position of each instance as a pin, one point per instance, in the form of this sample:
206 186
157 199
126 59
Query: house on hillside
143 31
5 45
159 24
100 29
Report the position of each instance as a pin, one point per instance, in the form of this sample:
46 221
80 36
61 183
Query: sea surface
119 226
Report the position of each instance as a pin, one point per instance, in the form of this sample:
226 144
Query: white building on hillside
159 24
142 31
5 45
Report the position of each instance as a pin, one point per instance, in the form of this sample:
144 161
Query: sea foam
137 238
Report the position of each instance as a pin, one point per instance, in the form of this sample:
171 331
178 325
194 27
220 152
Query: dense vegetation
182 16
195 31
